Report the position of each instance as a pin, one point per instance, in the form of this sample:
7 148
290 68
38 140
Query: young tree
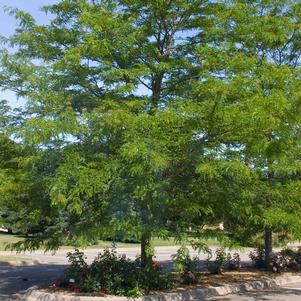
84 77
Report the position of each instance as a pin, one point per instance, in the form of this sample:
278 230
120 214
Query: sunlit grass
8 239
156 242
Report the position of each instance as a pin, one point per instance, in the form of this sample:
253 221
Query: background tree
256 70
12 174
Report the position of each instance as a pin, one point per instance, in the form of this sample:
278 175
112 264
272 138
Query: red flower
103 292
71 285
80 276
56 283
156 264
75 290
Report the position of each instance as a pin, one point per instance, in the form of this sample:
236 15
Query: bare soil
245 275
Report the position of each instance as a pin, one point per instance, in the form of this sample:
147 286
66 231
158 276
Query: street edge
20 263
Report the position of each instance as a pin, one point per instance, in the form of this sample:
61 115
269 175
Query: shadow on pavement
17 279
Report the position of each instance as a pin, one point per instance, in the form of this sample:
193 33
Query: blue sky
7 26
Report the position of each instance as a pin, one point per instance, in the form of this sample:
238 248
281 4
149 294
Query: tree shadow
17 279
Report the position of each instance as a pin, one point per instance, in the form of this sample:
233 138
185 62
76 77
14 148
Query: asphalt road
15 280
162 254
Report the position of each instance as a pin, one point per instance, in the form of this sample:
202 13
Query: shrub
189 278
154 278
111 273
278 263
233 262
186 265
217 266
286 260
182 261
78 266
258 258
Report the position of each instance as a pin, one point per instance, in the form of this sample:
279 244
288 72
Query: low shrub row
114 274
283 261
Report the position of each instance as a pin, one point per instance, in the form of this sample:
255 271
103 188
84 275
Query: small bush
189 278
286 260
279 263
233 262
182 261
258 258
186 265
214 268
217 266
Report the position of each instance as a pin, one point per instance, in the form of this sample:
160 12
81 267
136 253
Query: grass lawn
7 238
157 242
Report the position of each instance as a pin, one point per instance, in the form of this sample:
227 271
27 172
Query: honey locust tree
157 115
100 84
255 65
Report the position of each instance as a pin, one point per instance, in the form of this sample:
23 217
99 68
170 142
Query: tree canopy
150 117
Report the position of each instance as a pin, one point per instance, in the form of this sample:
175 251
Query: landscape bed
112 274
247 276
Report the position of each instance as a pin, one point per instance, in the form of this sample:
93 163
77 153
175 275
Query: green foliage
153 117
233 262
217 266
258 257
110 273
186 265
182 261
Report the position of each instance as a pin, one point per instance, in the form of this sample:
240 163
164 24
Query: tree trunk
146 254
268 245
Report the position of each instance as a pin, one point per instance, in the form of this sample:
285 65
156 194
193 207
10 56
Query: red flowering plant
157 265
103 291
113 274
189 278
56 283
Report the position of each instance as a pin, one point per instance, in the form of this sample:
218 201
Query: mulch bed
207 280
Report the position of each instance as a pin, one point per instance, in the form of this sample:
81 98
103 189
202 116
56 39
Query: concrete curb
35 295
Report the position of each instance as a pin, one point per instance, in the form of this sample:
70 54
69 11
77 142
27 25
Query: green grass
103 244
157 242
7 238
